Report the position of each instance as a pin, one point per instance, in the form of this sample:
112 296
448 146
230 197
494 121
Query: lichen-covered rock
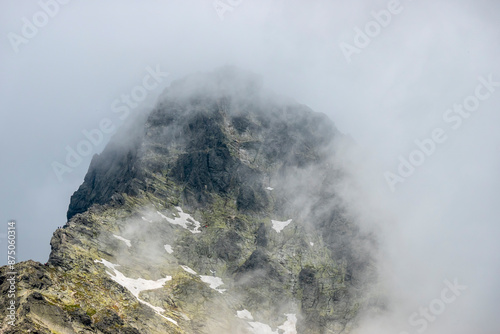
215 213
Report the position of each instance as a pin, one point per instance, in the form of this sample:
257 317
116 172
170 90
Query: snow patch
214 282
136 285
244 314
278 226
126 241
169 319
183 220
147 220
169 249
311 243
288 327
189 270
269 188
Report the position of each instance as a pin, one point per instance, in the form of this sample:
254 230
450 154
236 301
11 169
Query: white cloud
441 222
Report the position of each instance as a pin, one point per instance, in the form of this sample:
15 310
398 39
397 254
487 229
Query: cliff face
215 213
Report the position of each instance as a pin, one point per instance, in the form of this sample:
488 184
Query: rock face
215 213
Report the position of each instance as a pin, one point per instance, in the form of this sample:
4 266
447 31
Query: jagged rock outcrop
217 212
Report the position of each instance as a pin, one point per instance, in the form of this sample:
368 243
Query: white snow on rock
126 241
161 315
278 226
214 282
136 285
269 188
184 220
108 264
169 249
311 243
189 270
289 325
244 314
147 220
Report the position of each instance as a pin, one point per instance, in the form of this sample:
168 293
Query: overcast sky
387 86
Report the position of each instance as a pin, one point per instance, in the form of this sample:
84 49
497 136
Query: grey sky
441 223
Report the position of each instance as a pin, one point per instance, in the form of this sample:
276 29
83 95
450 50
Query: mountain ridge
227 196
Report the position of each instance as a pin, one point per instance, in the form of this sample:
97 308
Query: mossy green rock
193 194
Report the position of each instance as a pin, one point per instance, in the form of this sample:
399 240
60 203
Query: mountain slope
217 212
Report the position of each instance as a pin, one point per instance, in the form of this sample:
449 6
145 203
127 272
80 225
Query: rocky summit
218 211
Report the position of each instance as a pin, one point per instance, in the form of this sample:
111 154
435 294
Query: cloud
442 223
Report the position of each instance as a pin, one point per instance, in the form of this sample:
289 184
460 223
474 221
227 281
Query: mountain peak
216 213
207 130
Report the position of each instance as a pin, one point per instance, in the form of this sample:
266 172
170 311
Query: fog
437 223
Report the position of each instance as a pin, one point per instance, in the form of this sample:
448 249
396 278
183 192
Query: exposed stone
212 147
